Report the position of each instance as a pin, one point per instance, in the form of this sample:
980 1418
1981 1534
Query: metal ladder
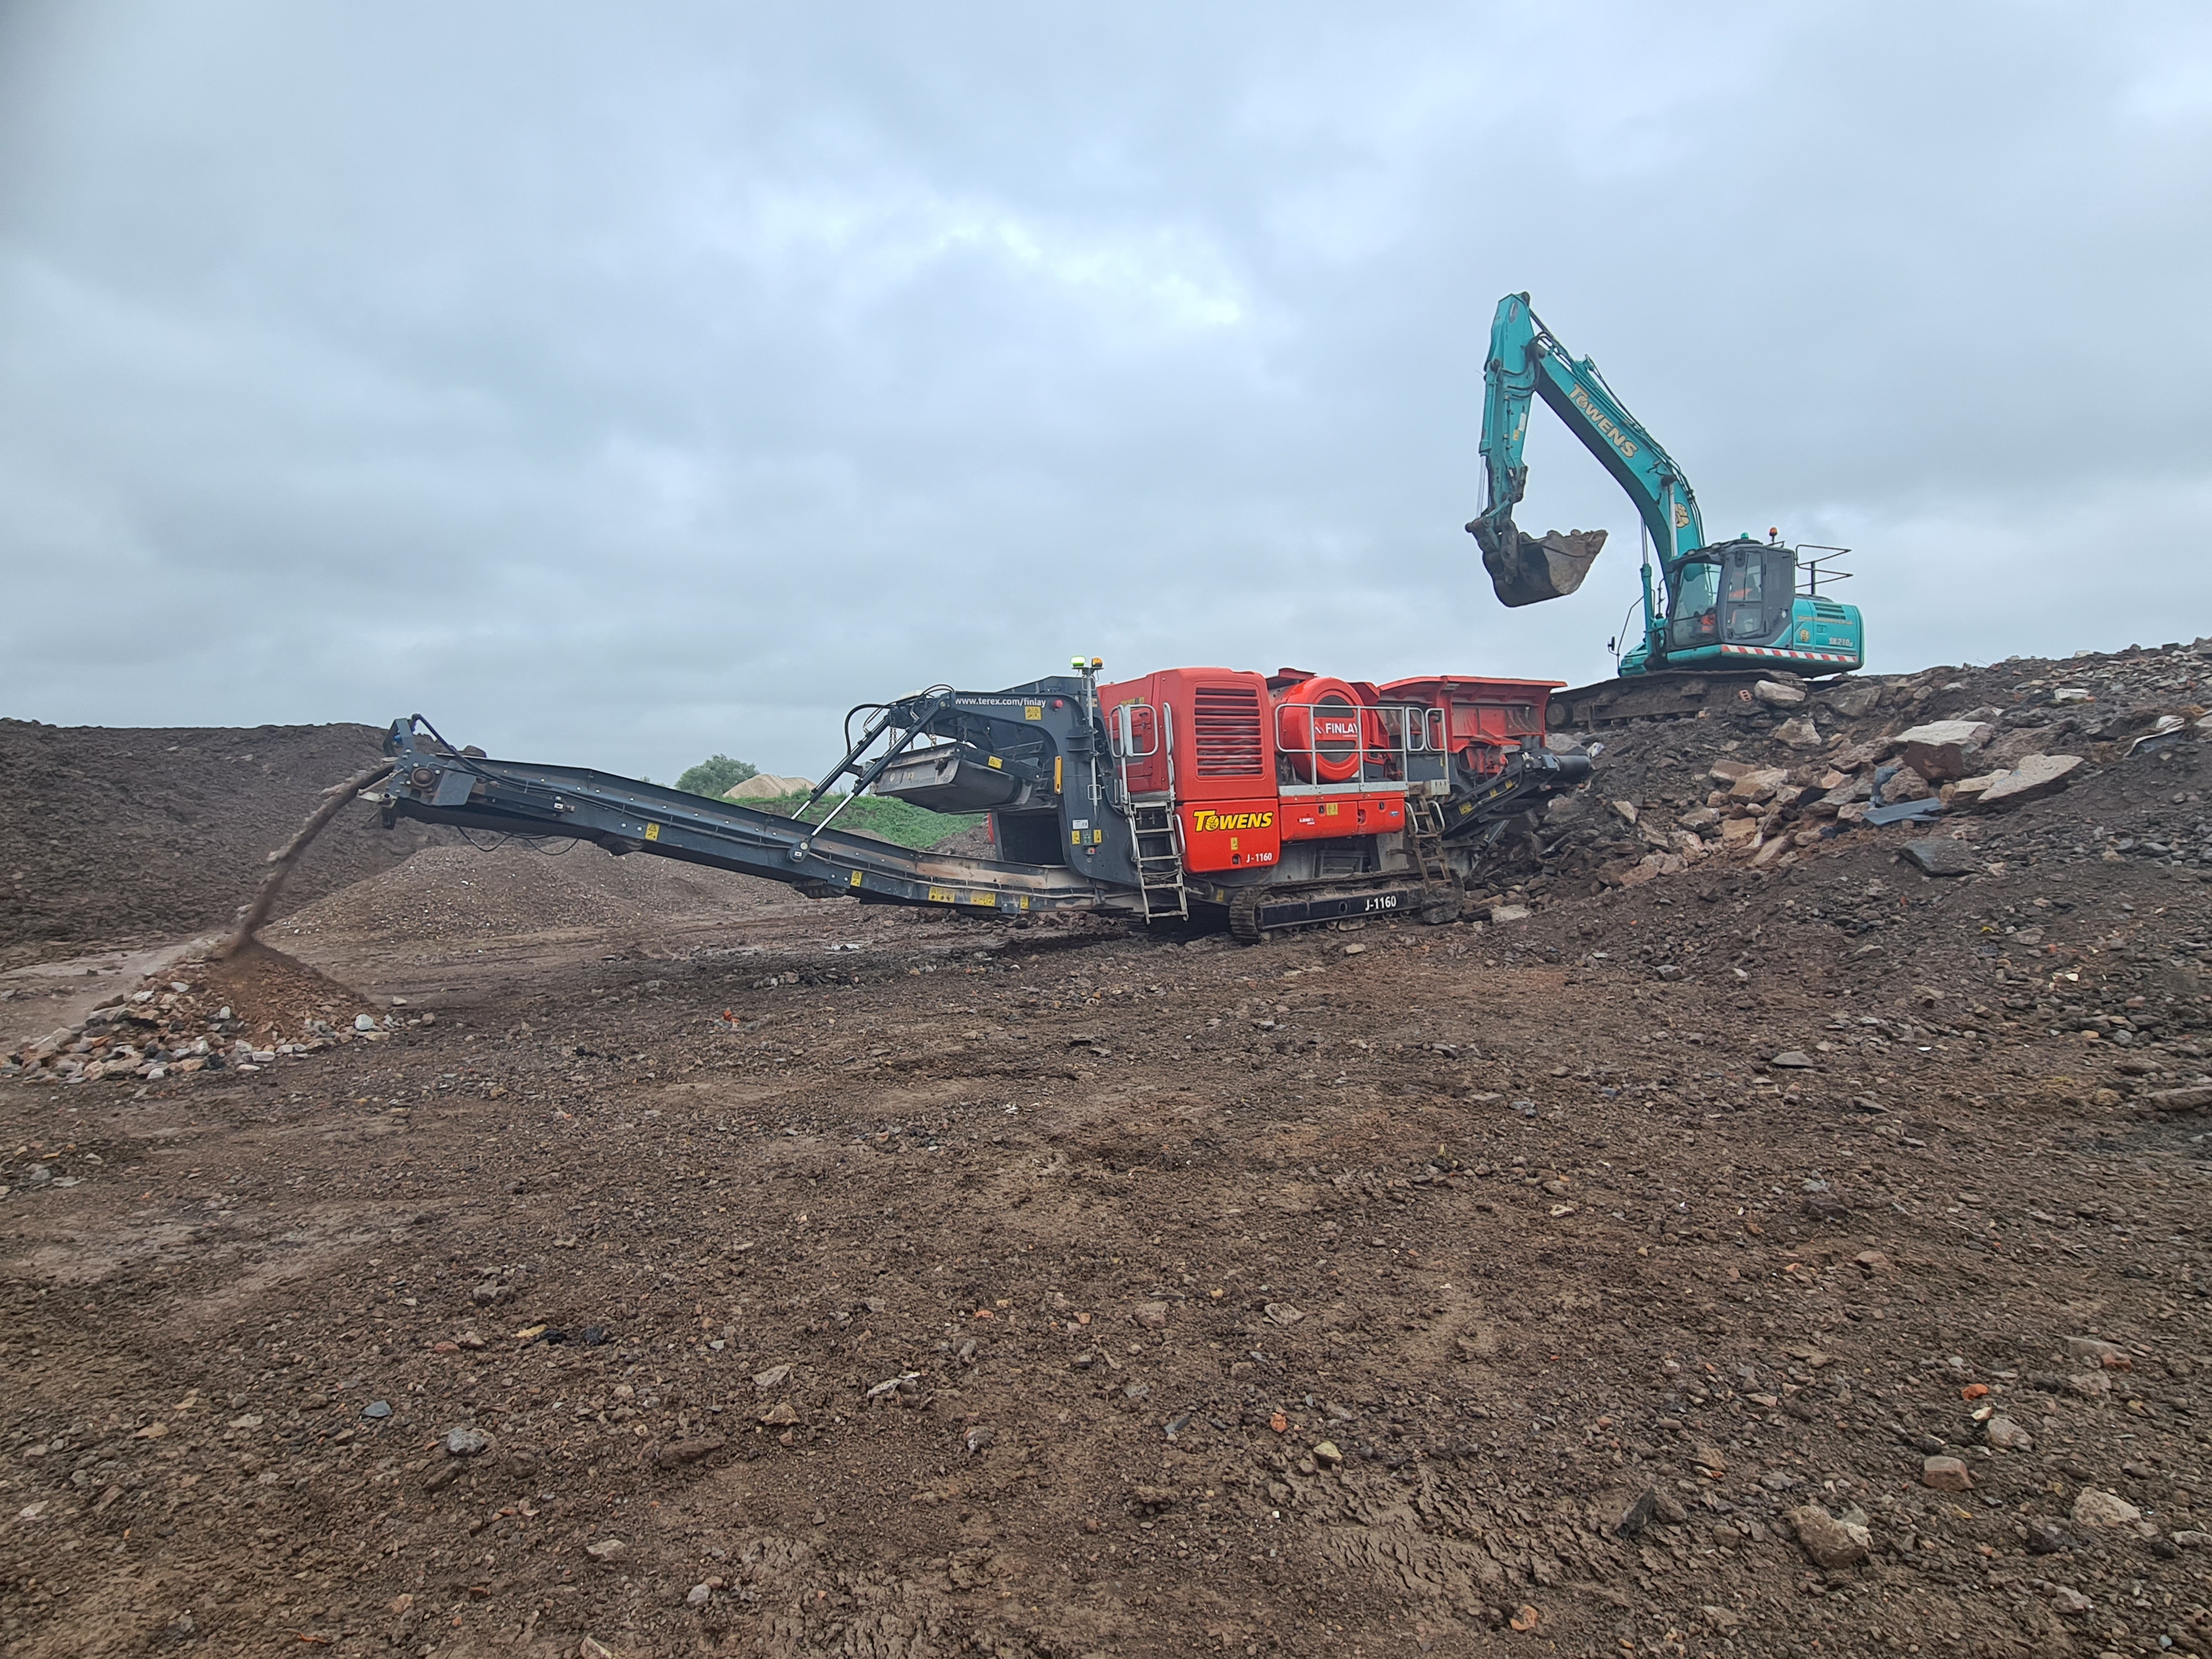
1156 837
1425 838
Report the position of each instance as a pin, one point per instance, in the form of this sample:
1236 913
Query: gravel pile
235 1017
448 896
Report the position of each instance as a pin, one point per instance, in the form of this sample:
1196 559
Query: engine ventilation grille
1225 731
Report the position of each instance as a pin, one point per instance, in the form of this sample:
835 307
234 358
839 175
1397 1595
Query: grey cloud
621 386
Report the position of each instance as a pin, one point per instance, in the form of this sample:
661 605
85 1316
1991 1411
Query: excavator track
1665 694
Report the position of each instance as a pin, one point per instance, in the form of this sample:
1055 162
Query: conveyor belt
436 785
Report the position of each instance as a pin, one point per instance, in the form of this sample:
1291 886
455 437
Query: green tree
716 777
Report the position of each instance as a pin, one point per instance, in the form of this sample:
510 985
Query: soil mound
767 785
445 895
112 833
268 993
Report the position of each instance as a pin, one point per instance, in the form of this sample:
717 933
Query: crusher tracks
1256 913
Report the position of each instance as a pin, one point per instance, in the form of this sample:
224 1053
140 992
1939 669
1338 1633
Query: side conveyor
432 782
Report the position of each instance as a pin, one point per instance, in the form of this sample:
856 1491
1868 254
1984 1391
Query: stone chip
1946 1474
1828 1542
2096 1507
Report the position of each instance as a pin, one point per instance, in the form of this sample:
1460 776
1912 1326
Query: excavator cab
1736 593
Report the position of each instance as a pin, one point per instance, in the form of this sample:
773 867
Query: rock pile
219 1016
1771 771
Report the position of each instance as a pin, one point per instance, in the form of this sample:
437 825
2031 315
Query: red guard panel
1485 718
1232 835
1217 722
1318 817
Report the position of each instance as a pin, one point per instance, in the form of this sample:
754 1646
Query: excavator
1719 613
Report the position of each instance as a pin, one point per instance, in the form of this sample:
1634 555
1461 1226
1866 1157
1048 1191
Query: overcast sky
620 384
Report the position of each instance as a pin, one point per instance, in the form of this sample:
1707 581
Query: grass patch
899 821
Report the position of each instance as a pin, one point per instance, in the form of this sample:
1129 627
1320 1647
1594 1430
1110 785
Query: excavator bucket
1527 569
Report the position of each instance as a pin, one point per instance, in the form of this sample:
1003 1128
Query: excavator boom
1527 364
1527 361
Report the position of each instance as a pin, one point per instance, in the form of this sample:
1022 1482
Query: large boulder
1934 856
2036 776
1904 784
1852 699
2103 1510
1938 763
1830 1543
1966 734
1758 783
2012 747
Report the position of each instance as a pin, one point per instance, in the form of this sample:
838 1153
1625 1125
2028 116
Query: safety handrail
1380 747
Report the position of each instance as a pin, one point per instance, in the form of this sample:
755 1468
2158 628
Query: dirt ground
676 1265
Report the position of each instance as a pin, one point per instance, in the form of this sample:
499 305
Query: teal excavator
1717 609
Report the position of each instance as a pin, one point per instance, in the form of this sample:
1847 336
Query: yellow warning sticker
1032 711
942 896
856 878
653 832
982 898
995 764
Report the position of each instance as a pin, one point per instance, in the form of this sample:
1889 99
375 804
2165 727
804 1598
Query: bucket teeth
1527 569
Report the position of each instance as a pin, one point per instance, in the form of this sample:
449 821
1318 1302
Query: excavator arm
1526 361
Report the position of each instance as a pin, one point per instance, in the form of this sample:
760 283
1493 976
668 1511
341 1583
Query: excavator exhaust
1527 569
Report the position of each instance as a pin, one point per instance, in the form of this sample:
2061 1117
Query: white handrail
1370 773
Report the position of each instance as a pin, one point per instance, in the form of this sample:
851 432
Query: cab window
1697 595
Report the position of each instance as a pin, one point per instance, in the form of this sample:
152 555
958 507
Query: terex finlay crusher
1262 801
